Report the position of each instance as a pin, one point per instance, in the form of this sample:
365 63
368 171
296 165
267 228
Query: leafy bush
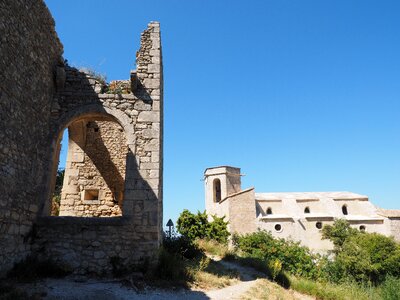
171 267
391 288
197 226
338 233
295 259
363 257
369 257
182 246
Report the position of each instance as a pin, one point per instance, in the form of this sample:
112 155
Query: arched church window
269 211
344 210
307 210
217 190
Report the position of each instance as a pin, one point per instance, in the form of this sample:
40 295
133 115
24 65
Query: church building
299 216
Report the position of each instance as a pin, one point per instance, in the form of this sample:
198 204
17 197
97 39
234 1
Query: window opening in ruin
217 190
269 211
307 210
318 225
278 227
344 210
362 228
91 194
92 159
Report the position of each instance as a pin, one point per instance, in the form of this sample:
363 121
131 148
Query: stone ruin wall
29 52
95 170
40 97
89 245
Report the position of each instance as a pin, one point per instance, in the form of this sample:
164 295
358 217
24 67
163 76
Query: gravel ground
71 288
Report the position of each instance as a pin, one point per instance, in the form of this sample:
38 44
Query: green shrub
338 233
369 257
391 288
171 267
182 246
360 256
197 226
295 259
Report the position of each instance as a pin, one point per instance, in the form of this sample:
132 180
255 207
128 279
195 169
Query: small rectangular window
91 194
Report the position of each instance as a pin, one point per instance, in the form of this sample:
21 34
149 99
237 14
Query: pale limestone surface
295 215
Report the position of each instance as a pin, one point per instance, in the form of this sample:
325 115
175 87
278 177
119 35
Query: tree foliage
197 226
338 233
361 256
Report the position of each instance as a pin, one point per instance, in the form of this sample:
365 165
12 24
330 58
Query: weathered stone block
148 116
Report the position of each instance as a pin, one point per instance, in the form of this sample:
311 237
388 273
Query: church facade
299 216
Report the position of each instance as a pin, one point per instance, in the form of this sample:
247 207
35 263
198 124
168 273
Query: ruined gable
114 165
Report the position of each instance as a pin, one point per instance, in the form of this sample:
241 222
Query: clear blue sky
302 95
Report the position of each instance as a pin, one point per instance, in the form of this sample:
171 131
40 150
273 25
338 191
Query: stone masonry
95 171
114 164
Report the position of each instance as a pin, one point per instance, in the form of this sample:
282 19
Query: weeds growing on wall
100 77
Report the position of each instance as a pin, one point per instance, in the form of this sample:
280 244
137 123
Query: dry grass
212 247
267 290
209 274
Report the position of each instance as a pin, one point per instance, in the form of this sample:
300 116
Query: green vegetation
100 77
181 262
292 257
362 257
197 226
56 199
362 265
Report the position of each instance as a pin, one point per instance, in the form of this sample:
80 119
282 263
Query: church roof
389 213
311 196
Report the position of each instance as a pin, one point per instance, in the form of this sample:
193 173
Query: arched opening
95 165
269 211
217 190
318 225
362 228
344 210
307 210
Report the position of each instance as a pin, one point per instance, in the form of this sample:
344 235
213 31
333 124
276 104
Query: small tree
338 233
197 226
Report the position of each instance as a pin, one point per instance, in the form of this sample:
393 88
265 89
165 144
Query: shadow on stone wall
88 245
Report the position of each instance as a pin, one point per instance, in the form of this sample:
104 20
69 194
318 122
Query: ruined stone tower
111 200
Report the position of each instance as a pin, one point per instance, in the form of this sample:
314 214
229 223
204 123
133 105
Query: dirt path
71 288
249 279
